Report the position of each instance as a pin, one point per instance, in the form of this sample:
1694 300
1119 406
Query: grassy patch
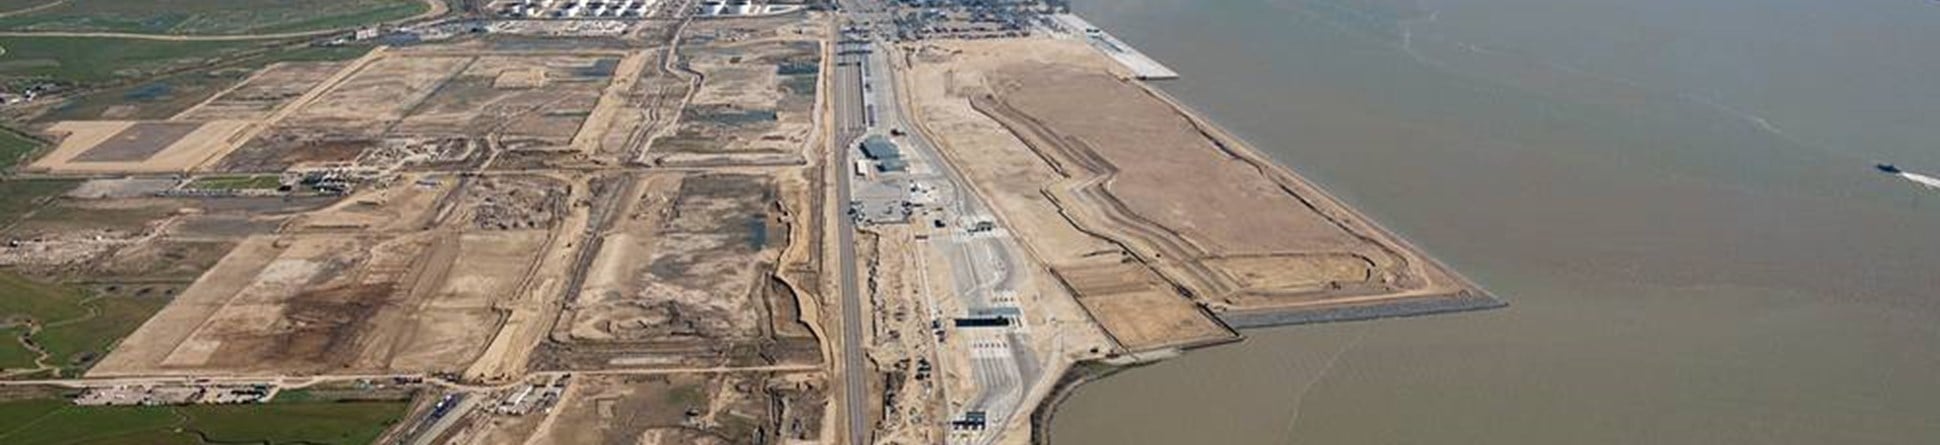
256 182
15 148
96 59
40 301
13 355
18 197
327 423
67 423
378 14
71 216
16 5
52 421
17 414
78 345
202 17
687 396
76 330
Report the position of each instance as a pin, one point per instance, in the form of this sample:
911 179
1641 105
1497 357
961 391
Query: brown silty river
1677 197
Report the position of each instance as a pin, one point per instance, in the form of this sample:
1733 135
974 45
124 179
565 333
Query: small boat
1888 168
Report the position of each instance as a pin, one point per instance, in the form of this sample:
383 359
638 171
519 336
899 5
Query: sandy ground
1139 313
670 409
408 203
1139 309
600 120
474 103
411 297
686 277
378 94
754 103
531 310
263 93
1246 235
138 151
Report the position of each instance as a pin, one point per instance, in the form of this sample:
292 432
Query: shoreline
1245 150
1470 296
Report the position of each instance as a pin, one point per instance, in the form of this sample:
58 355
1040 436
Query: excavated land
411 202
1248 242
756 98
378 94
304 303
129 254
443 109
687 277
93 147
692 408
524 101
139 239
264 93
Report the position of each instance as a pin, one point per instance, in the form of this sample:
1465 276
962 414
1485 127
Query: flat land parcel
398 298
55 421
1244 241
139 147
401 276
688 311
692 408
88 261
689 276
755 103
690 268
431 107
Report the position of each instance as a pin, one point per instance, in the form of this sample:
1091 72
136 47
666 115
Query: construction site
726 228
752 101
483 212
686 276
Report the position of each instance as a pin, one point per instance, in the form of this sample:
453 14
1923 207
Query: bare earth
1247 240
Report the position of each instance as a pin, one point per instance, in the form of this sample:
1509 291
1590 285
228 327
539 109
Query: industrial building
885 154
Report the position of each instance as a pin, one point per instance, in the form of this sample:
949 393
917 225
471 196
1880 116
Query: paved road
850 117
986 266
866 102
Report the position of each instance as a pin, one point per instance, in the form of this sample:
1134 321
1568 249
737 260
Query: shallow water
1676 197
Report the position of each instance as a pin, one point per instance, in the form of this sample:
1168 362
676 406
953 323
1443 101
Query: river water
1676 196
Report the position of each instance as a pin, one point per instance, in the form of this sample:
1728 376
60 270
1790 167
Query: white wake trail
1922 180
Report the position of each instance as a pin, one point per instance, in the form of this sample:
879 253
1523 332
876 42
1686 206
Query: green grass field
40 301
16 5
97 59
257 182
76 346
17 197
56 422
15 148
76 330
13 355
211 17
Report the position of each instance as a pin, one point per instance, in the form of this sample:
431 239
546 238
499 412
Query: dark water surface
1676 196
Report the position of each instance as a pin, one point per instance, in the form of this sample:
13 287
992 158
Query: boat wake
1923 180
